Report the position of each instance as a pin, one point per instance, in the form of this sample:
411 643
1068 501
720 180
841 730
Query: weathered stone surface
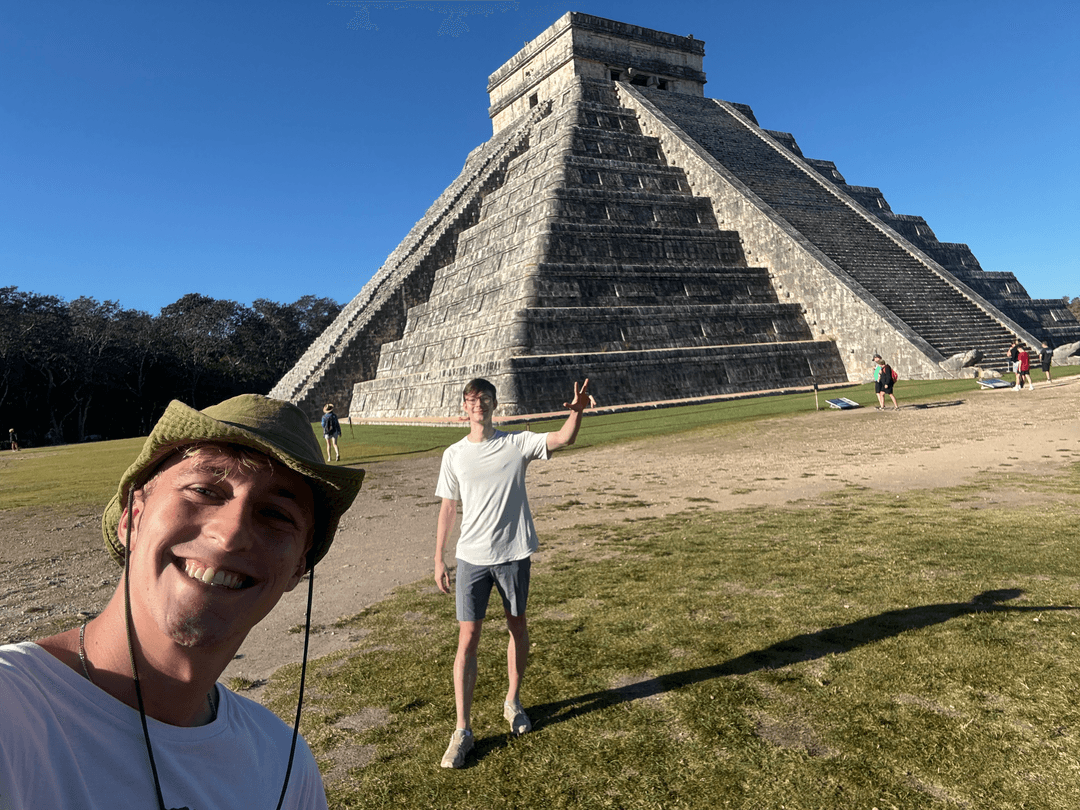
621 226
1067 355
954 364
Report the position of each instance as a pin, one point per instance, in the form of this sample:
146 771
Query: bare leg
517 655
465 670
881 400
893 398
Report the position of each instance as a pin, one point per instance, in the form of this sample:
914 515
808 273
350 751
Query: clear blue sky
276 149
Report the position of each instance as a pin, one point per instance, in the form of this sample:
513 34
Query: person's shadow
806 647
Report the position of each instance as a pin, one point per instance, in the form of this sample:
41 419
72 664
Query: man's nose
232 526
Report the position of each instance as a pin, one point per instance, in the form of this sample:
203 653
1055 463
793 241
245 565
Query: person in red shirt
1023 369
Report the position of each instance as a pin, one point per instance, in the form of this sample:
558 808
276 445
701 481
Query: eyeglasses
483 399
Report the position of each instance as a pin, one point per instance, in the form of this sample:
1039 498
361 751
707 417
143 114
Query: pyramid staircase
934 305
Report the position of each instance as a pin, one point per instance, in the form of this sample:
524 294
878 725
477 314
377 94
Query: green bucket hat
277 429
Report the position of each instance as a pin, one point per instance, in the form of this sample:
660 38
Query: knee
469 638
517 625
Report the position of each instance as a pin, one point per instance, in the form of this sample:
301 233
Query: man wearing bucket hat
223 511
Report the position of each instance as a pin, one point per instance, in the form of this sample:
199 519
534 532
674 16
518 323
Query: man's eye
280 515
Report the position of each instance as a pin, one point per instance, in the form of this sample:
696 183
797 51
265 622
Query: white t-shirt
67 745
489 479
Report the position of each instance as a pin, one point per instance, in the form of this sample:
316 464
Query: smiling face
217 537
479 407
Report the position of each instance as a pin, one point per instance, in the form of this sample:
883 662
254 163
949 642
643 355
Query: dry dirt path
56 572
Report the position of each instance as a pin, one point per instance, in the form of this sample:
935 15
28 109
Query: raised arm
567 434
447 517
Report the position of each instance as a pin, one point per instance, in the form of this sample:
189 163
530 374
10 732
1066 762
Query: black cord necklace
129 626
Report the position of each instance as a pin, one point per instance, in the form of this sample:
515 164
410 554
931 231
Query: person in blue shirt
331 429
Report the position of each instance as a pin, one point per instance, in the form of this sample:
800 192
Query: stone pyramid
621 226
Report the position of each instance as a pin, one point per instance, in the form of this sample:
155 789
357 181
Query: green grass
913 651
362 443
65 475
831 655
88 473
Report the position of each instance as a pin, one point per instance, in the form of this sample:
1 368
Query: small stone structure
622 226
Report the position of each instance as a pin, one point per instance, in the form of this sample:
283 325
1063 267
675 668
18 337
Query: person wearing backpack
331 429
884 385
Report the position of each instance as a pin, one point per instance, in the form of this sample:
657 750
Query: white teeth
210 576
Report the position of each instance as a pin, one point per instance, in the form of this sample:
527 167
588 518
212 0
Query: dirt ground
57 573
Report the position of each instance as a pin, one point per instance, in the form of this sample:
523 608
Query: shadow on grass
924 405
418 451
806 647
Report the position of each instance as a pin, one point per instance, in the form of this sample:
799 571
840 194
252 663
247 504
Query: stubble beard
192 631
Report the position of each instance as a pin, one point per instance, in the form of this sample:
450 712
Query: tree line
87 369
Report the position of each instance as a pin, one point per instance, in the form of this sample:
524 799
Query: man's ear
298 574
138 500
301 566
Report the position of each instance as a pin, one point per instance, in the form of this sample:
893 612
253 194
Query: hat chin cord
129 627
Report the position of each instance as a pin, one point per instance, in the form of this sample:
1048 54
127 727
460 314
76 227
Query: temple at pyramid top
582 46
620 225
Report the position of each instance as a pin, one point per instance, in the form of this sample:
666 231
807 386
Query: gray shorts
474 588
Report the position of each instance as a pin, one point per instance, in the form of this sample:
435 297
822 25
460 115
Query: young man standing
1023 369
486 472
223 511
1046 357
1014 355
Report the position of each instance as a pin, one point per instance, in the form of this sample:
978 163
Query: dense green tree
69 371
199 331
36 337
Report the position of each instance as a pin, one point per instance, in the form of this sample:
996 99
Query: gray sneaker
516 717
461 743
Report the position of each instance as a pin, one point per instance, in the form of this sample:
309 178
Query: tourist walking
13 440
331 429
875 369
1023 370
486 472
886 378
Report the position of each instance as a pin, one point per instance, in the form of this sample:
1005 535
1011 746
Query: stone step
543 380
907 287
582 329
615 285
617 146
639 212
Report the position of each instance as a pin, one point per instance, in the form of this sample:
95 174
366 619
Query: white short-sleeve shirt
489 479
67 745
